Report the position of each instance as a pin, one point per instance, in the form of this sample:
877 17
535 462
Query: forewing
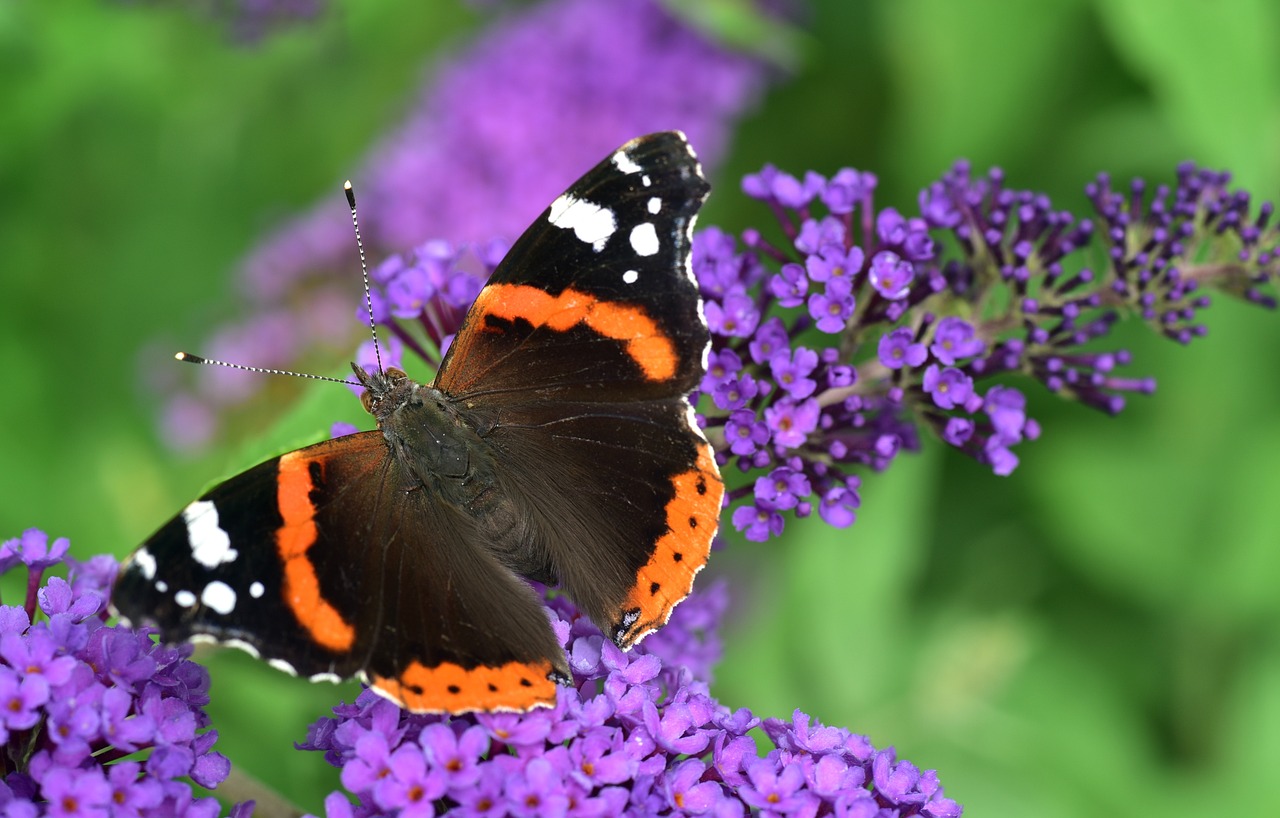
596 300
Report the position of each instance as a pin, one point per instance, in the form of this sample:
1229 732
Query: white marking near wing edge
630 277
184 598
238 644
655 205
210 545
624 163
146 563
590 222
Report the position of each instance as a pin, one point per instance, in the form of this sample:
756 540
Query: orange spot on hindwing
645 342
450 688
293 540
692 516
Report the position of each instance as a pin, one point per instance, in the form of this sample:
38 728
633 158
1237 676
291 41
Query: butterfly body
557 444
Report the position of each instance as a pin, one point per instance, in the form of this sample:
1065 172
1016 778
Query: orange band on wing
692 516
644 340
450 688
293 540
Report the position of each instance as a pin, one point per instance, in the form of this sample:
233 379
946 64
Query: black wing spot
677 556
493 688
416 690
454 689
525 682
702 485
693 522
654 588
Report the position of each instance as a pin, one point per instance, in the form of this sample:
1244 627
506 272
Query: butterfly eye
366 400
396 374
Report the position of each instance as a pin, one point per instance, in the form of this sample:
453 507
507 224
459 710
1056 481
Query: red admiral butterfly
557 443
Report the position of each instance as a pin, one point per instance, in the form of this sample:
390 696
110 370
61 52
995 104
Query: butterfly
557 443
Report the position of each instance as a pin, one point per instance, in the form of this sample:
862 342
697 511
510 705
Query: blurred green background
1095 635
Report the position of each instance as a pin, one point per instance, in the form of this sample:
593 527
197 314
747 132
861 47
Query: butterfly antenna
364 270
196 359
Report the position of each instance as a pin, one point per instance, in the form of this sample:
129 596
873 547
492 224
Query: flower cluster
833 346
95 720
831 349
481 152
638 734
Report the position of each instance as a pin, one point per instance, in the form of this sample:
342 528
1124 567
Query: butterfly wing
576 362
335 563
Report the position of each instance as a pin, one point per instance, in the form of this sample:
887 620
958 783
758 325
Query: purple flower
687 792
848 189
834 262
721 366
770 338
757 523
837 506
744 432
72 793
790 423
789 285
76 696
737 316
772 185
891 275
33 550
791 371
735 393
779 791
782 489
832 309
898 349
949 387
954 339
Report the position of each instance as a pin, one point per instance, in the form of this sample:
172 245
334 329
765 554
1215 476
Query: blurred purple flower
483 150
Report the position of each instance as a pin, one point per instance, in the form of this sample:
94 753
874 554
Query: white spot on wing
630 277
280 664
331 678
624 163
590 222
162 586
644 239
256 590
184 598
646 181
219 596
655 204
146 563
210 545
